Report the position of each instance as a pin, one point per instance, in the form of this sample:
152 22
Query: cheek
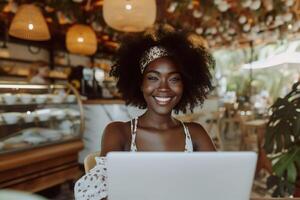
147 88
178 89
148 85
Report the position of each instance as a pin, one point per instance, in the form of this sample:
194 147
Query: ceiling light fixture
141 16
29 24
81 39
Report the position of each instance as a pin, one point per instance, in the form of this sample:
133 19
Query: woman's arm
113 138
200 138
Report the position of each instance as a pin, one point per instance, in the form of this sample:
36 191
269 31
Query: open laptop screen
180 176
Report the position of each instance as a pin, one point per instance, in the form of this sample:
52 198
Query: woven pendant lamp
129 15
81 39
29 24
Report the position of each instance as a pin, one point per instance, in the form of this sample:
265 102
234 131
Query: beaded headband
151 54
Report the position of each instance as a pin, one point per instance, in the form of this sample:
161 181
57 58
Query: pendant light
129 15
29 24
81 39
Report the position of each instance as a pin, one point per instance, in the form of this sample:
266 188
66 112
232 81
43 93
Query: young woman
161 74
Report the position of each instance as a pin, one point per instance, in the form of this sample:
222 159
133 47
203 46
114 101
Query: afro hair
194 62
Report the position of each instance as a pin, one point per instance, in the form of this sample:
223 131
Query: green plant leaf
290 188
291 172
279 143
282 139
297 126
286 160
287 141
298 161
283 128
281 165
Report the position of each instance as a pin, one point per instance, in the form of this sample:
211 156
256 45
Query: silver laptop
180 176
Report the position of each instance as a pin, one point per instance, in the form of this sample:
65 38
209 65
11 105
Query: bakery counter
40 135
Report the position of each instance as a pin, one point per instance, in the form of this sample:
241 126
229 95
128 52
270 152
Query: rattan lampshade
129 15
29 24
81 39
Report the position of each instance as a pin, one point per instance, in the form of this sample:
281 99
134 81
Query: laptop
180 176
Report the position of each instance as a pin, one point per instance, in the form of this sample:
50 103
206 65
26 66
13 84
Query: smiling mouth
162 100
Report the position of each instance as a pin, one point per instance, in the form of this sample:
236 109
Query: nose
164 85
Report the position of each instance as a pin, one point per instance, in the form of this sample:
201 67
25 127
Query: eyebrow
156 72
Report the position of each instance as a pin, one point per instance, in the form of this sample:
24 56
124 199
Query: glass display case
33 116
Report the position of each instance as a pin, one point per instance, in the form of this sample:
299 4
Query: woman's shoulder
196 130
200 137
115 137
195 127
117 125
117 128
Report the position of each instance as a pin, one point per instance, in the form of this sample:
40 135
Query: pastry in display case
37 115
41 129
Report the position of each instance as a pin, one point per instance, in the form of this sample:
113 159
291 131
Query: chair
89 161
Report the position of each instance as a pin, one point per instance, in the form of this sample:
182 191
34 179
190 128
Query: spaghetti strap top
188 139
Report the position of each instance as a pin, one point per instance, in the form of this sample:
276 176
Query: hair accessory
151 54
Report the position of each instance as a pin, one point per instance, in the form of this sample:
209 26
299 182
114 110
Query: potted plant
282 143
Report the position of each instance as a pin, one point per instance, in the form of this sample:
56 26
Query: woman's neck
157 121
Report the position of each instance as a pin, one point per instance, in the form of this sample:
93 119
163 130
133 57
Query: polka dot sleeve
93 185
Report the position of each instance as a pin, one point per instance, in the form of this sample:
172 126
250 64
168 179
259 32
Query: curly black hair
194 63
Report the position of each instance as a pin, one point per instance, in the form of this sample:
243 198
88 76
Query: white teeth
163 99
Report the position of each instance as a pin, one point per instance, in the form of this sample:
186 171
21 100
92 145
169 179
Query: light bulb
80 39
30 26
128 7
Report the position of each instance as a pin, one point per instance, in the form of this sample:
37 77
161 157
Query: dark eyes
172 79
152 78
175 79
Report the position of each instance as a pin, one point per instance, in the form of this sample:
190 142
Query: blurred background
56 95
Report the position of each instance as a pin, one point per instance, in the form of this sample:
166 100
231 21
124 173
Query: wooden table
40 168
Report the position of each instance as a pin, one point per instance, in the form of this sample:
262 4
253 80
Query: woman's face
162 85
